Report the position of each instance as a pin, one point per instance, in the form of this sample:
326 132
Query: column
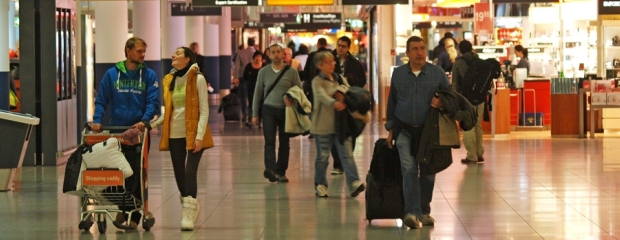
80 80
225 51
38 91
194 28
4 57
111 33
146 25
385 43
211 51
11 24
173 36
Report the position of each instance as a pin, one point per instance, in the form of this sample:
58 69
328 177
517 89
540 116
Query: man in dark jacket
310 69
353 70
411 98
472 139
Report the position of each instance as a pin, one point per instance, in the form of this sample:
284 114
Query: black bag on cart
73 170
384 187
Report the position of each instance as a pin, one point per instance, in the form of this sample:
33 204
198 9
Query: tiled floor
530 187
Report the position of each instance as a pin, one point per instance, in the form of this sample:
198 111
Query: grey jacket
324 114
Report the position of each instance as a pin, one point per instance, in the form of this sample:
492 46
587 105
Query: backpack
478 79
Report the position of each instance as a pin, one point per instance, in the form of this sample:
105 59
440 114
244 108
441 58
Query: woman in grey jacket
328 100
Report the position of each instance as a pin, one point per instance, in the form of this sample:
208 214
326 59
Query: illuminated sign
299 2
608 7
313 21
212 3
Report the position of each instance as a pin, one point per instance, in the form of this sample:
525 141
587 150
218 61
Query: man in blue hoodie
132 90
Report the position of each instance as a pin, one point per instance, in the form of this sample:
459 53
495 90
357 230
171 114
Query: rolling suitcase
384 188
231 106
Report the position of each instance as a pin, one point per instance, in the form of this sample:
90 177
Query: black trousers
273 121
185 165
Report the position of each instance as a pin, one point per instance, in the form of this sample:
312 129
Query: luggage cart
105 189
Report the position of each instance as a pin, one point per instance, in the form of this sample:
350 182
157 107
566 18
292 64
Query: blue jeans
417 188
273 120
324 145
243 92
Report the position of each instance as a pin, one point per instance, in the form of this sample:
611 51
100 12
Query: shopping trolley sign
105 177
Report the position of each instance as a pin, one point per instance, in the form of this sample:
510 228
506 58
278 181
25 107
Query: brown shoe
480 159
467 161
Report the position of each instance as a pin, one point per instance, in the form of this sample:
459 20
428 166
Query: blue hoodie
133 98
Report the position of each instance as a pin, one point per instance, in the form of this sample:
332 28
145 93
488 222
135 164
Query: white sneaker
412 221
427 220
357 188
321 190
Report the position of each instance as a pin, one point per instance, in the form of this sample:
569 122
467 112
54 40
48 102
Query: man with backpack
470 77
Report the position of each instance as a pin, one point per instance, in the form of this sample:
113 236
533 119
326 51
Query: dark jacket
440 135
458 108
459 68
353 70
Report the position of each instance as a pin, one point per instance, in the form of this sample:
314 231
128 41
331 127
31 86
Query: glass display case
609 49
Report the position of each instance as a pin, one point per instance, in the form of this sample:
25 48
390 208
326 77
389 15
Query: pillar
4 57
38 91
225 50
110 36
111 33
211 50
81 89
385 43
11 24
194 28
173 36
146 25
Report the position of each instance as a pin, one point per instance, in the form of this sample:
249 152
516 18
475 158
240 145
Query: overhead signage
467 12
254 25
607 7
525 1
483 22
278 17
374 2
316 21
299 2
216 3
180 9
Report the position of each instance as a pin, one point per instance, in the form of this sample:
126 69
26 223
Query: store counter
500 116
16 129
537 98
